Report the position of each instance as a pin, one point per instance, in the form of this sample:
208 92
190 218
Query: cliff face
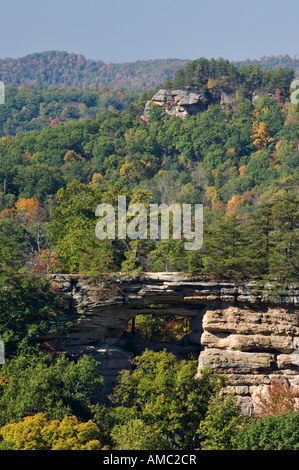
252 348
249 333
182 103
176 103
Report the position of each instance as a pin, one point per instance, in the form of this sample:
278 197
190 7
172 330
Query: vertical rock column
252 348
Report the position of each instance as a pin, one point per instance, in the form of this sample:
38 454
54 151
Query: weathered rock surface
182 103
246 331
177 103
231 361
252 348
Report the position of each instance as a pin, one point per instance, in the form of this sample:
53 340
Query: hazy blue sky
129 30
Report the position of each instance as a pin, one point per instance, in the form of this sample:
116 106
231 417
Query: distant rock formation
183 103
177 103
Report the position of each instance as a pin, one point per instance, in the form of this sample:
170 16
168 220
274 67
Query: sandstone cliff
183 103
247 331
176 103
252 348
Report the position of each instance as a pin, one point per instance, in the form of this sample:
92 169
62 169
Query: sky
128 30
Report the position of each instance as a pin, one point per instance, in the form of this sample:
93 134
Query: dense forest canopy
65 150
210 75
241 162
34 107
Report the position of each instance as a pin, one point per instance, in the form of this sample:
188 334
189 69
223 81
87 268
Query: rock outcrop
246 331
252 348
182 103
176 103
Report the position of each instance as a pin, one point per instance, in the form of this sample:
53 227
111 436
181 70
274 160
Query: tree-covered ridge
274 62
219 75
61 69
34 107
241 162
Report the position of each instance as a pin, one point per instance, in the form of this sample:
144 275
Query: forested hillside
34 107
61 69
241 162
64 152
274 62
212 76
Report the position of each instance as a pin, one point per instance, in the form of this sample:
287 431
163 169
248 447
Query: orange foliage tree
96 178
242 200
29 209
242 169
280 399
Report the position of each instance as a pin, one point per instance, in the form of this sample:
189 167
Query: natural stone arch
247 331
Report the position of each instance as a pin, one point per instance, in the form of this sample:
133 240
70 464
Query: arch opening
175 328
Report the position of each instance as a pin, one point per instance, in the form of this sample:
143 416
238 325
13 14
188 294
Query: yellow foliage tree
242 170
127 170
96 178
212 197
260 135
38 433
136 170
211 83
6 214
71 156
215 174
231 152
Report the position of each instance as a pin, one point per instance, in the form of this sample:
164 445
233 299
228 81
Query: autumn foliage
260 135
39 433
280 399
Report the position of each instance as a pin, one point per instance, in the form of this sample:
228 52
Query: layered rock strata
182 103
246 331
253 349
176 103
